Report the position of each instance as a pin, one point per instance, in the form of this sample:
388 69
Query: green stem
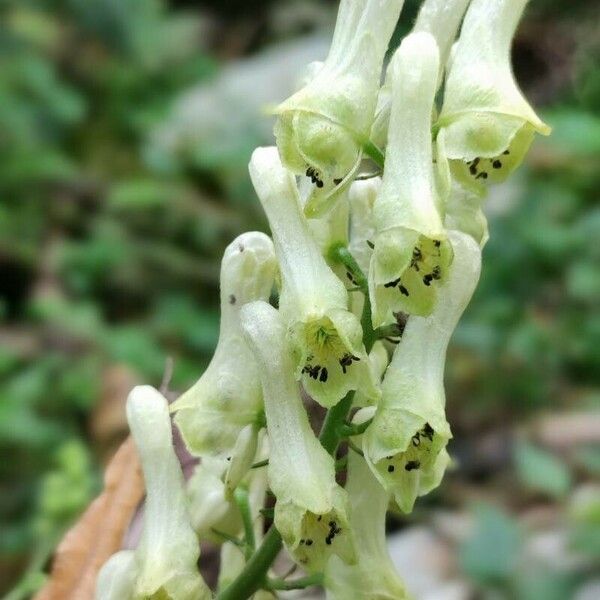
388 331
227 537
340 254
355 448
296 584
369 335
330 431
260 463
374 153
349 430
243 503
341 463
253 575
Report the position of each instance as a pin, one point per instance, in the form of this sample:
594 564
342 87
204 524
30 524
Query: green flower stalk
325 337
486 125
322 128
228 397
374 576
411 254
164 565
405 444
311 508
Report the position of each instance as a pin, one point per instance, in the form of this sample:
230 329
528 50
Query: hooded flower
325 337
411 254
322 128
311 508
228 398
405 444
486 124
373 577
164 565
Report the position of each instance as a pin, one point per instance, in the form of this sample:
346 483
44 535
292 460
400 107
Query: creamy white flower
233 559
322 128
486 123
440 18
331 228
164 564
374 576
325 337
464 212
212 512
311 508
405 444
411 254
379 359
362 196
228 397
116 579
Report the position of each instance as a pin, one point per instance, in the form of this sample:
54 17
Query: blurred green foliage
109 254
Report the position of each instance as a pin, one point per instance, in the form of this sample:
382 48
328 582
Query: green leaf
543 583
541 471
574 131
491 553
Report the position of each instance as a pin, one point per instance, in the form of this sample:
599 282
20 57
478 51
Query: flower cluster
374 198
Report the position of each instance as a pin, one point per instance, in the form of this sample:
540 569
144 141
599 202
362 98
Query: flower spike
311 509
325 337
164 565
405 444
486 124
411 254
322 128
228 397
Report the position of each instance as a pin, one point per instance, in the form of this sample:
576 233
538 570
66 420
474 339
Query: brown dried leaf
99 532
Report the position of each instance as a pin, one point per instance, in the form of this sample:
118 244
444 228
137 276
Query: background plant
110 249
